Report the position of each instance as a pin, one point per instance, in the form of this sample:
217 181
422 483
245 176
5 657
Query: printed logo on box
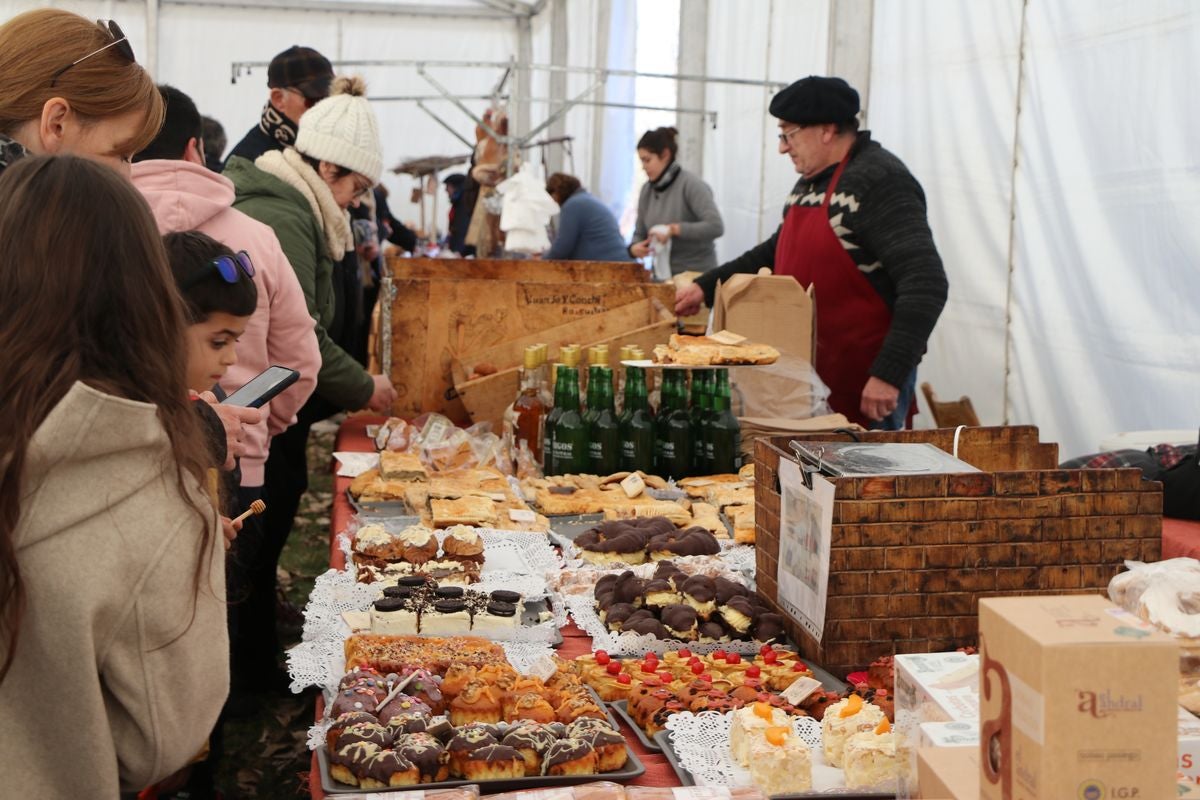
1101 705
1091 790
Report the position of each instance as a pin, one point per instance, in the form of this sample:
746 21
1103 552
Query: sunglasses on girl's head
227 267
120 41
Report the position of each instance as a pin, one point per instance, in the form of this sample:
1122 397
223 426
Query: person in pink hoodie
184 195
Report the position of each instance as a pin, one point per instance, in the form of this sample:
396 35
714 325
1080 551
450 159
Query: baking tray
379 508
663 739
633 768
567 527
621 707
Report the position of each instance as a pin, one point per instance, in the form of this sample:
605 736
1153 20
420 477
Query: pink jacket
185 196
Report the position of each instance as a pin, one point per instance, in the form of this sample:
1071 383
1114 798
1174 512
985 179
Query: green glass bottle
698 418
570 433
674 430
725 432
548 465
604 431
637 424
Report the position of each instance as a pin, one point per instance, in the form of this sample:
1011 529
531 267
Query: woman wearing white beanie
303 193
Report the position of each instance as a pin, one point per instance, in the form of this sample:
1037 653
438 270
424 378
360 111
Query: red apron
852 319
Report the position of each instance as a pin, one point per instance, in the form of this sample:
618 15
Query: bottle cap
531 357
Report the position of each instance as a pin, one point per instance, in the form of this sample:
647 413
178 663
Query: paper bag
768 309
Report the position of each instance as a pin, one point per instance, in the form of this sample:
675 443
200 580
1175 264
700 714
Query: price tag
727 337
800 689
522 515
543 667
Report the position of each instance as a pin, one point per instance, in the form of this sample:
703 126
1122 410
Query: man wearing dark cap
854 228
298 77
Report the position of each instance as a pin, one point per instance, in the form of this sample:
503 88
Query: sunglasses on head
227 267
120 41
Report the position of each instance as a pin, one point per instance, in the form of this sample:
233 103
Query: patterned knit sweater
878 212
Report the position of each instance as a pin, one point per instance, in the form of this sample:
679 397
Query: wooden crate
485 398
436 321
528 269
911 556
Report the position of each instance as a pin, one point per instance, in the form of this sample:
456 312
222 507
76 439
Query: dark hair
560 186
315 163
849 126
659 141
106 315
214 137
181 124
204 291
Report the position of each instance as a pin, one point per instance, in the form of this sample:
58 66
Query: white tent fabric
1093 292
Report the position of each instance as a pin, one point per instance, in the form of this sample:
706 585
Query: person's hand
665 233
879 399
688 300
369 251
234 419
384 395
640 249
230 528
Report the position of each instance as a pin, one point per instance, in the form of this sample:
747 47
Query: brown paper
769 309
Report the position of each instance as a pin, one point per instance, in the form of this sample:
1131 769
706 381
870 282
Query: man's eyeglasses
227 267
785 137
120 41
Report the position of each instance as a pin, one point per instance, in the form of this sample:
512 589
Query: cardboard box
768 309
1189 744
948 773
1078 699
936 687
948 734
933 689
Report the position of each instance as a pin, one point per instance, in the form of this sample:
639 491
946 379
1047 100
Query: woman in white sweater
114 657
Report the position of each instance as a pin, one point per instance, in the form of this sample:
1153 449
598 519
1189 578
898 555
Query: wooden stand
911 556
451 316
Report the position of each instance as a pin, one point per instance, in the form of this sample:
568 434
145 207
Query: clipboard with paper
805 538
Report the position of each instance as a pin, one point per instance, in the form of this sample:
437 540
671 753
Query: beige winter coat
121 667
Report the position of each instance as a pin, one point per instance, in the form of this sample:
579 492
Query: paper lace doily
701 743
320 657
583 609
513 560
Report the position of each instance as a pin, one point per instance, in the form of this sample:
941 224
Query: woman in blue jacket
587 230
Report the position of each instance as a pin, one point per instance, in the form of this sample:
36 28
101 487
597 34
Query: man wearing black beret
855 228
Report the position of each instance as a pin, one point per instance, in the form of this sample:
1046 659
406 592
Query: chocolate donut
402 724
712 631
700 588
629 588
616 614
384 764
428 756
769 627
649 626
725 589
401 705
364 732
680 620
738 614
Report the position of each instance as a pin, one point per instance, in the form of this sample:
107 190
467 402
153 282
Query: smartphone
262 387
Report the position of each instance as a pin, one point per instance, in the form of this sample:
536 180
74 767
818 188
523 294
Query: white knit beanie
342 130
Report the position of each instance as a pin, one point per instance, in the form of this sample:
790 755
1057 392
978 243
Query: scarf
668 177
10 151
290 167
274 124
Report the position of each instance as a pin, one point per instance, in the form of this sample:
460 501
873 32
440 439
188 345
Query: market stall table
352 437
